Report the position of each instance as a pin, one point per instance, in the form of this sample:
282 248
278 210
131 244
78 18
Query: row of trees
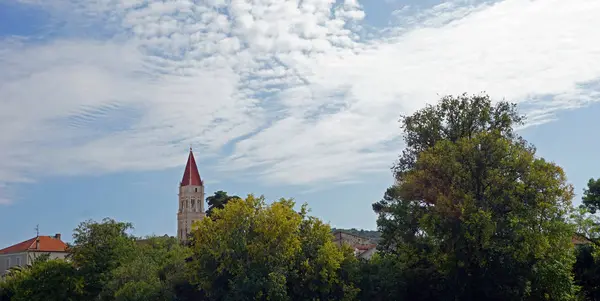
474 215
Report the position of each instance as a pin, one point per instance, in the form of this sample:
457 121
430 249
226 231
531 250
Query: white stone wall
31 256
10 260
191 209
342 237
24 258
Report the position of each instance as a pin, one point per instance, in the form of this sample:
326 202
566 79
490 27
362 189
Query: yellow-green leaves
267 252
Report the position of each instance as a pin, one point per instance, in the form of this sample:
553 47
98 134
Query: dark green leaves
475 215
591 195
218 201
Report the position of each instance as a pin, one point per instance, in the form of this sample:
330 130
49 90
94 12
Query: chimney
57 236
37 243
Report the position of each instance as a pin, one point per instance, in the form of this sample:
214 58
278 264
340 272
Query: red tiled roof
47 244
191 175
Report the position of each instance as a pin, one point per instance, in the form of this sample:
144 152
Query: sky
101 99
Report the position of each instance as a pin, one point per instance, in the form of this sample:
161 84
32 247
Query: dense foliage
218 201
591 196
268 252
474 214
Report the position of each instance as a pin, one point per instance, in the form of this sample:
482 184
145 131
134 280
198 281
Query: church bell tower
191 199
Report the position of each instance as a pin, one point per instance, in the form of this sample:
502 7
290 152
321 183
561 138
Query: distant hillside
371 234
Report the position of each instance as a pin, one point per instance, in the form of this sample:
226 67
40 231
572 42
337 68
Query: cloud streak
300 92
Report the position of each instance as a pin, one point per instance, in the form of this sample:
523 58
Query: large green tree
587 267
475 213
99 248
450 119
255 251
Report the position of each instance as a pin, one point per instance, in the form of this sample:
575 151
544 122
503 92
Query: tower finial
190 147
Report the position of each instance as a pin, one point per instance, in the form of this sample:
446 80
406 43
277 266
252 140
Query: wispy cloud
301 93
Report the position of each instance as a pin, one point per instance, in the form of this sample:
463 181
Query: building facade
24 253
363 247
191 199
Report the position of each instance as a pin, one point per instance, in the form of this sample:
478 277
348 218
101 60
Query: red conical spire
191 176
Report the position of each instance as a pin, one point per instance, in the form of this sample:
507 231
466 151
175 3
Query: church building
191 199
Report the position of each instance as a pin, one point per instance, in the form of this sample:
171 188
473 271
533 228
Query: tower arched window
195 189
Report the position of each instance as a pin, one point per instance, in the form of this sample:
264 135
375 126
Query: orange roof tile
47 244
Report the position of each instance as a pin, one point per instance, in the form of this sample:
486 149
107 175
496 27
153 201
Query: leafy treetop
218 201
453 118
591 196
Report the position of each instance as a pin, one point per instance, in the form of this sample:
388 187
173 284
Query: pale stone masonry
363 247
191 199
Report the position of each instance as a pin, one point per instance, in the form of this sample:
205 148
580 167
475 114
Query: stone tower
191 199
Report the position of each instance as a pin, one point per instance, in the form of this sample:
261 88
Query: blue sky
100 100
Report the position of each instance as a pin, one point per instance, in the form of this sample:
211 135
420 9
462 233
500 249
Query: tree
475 214
251 250
48 280
587 226
491 218
587 272
591 195
453 118
153 272
218 201
383 278
99 249
587 266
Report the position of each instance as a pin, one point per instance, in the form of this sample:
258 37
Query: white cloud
304 98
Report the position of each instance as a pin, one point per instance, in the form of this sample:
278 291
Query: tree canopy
587 266
218 201
99 249
591 195
453 118
474 211
252 250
